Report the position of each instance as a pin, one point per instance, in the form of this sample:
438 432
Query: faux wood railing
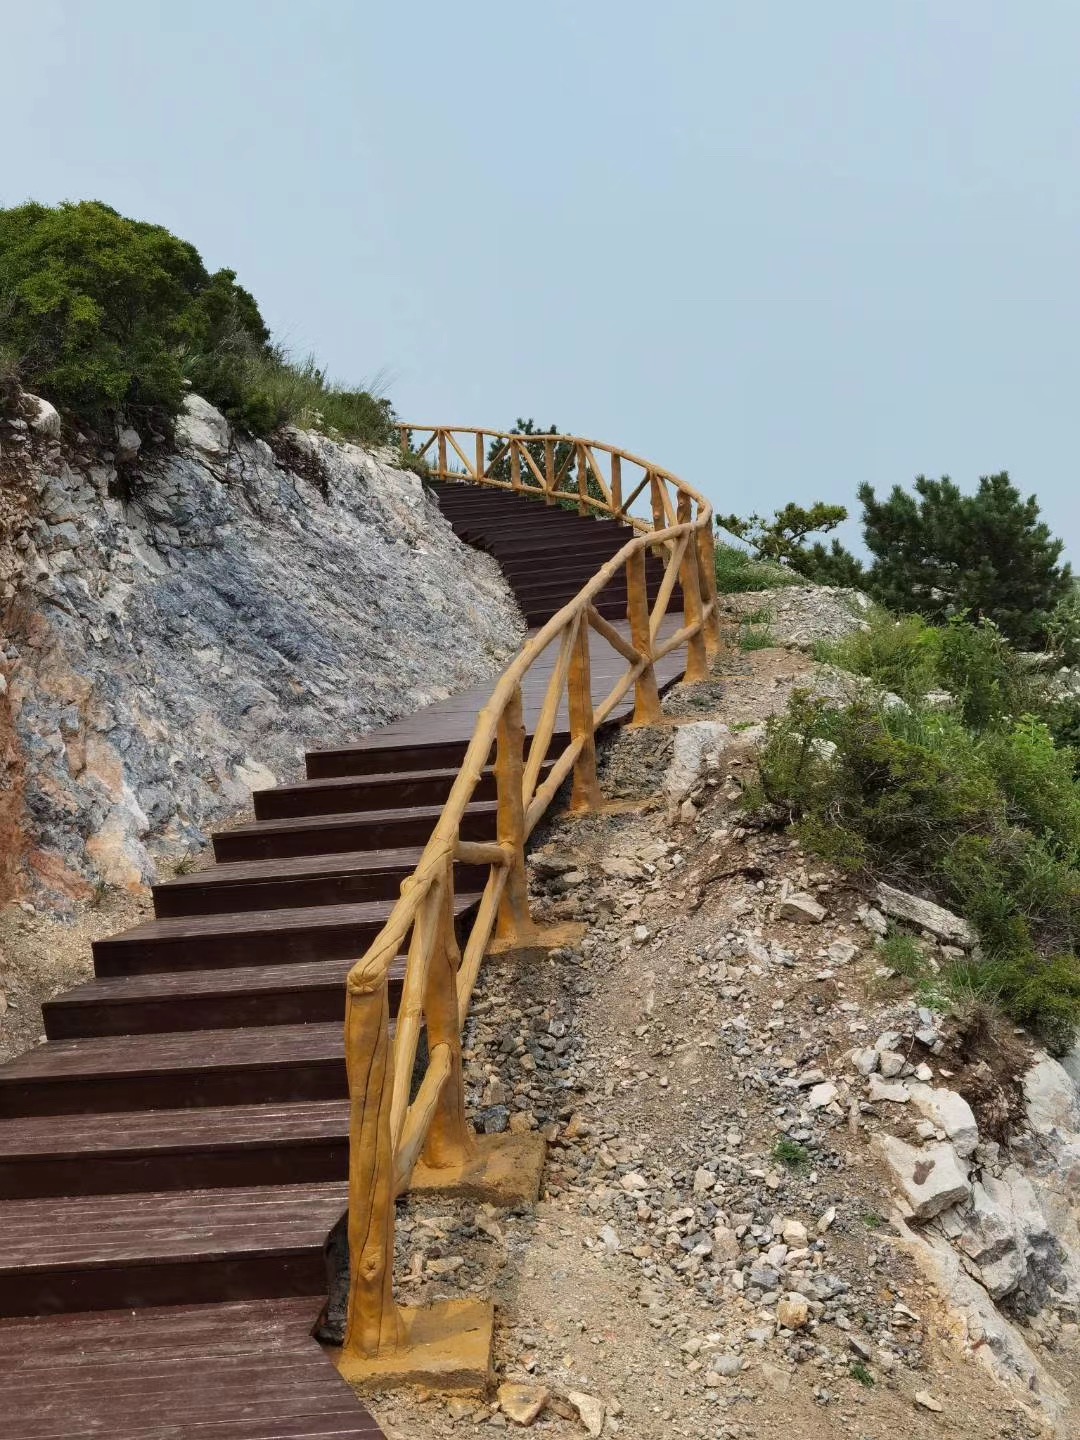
392 1135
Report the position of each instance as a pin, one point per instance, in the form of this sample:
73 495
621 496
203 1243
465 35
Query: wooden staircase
173 1158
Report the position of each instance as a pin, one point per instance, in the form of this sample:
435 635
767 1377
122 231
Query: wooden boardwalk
173 1158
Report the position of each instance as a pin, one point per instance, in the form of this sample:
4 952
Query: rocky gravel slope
782 1195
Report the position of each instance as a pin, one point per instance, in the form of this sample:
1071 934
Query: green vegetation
938 553
790 1153
738 572
114 319
754 632
987 820
902 954
860 1373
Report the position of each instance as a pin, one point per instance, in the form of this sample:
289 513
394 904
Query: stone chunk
803 909
925 915
45 418
949 1112
793 1311
822 1095
927 1401
523 1403
894 1091
696 750
930 1179
590 1410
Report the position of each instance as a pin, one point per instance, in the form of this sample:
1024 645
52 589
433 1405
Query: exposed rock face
177 636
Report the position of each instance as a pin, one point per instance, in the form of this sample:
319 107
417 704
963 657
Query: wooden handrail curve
389 1133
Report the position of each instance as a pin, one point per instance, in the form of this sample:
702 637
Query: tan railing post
480 455
582 481
697 665
616 484
515 919
585 794
646 695
515 464
549 471
443 469
451 1139
372 1324
707 576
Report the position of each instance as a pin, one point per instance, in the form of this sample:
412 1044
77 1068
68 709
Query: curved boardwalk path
172 1160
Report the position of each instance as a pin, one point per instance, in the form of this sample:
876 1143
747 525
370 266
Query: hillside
739 1091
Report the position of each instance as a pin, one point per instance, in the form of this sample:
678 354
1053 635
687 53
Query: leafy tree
988 555
100 310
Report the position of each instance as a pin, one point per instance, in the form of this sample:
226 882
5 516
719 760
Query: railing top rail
658 470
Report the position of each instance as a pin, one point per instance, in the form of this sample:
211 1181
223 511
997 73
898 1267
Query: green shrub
99 309
737 572
112 319
988 822
898 655
974 663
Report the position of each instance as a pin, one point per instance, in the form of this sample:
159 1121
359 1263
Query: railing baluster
646 695
515 464
443 469
697 665
582 480
585 794
372 1323
616 484
549 471
515 918
479 455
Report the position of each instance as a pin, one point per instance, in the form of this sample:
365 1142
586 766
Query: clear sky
780 248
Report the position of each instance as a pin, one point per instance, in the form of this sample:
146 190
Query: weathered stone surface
522 1403
43 417
1053 1103
925 915
803 909
590 1409
793 1311
930 1179
696 750
171 651
949 1112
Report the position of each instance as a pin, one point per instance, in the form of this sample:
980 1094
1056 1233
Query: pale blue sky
780 248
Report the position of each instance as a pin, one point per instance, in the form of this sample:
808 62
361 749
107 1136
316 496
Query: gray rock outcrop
179 633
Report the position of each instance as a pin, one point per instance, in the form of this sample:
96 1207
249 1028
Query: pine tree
983 556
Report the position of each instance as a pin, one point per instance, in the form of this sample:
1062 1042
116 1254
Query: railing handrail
387 1138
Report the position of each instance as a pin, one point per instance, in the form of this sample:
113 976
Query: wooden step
169 1247
343 795
177 1070
249 937
300 880
247 1370
379 754
212 1147
307 993
362 830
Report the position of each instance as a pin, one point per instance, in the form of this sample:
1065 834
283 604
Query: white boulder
200 427
42 417
950 1112
930 1179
